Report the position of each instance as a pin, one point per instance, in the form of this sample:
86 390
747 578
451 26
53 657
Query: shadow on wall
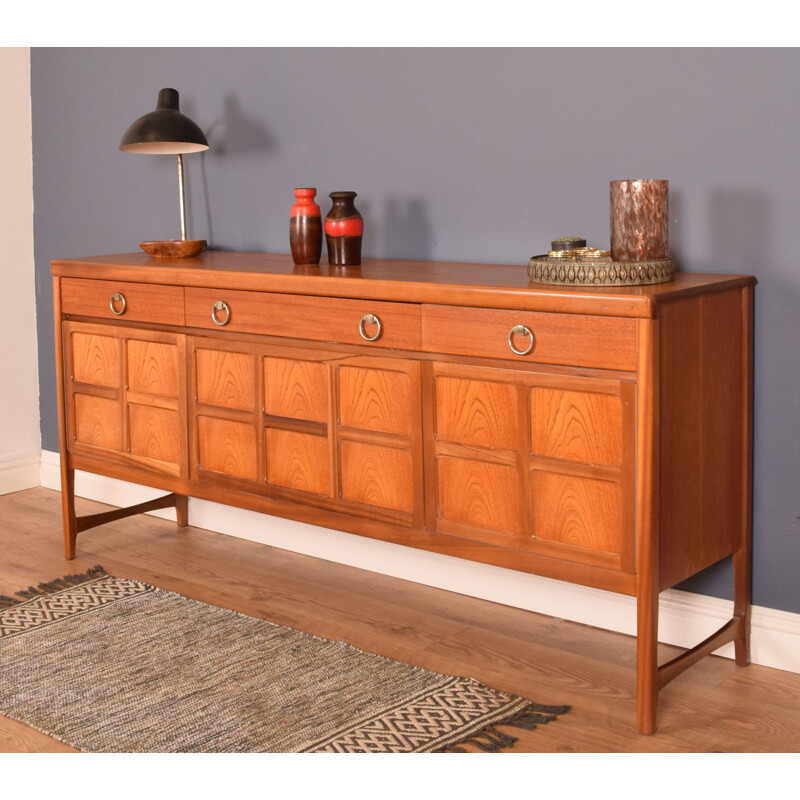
232 133
739 223
738 230
676 208
405 231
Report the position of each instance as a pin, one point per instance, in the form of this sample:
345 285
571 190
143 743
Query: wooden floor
713 707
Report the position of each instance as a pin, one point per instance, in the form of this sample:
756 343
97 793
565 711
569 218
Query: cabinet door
338 431
126 396
379 438
534 461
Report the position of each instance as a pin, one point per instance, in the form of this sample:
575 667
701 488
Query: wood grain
577 511
225 379
560 462
478 494
227 447
703 456
559 338
155 433
576 426
460 284
143 303
296 388
474 412
95 359
324 319
375 399
298 461
377 476
98 421
153 368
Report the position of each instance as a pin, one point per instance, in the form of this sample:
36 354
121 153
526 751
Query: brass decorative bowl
598 270
175 248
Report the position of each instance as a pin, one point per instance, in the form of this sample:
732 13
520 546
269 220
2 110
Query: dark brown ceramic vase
344 229
305 228
639 220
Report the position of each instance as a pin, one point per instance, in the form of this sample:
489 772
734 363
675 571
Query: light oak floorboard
713 707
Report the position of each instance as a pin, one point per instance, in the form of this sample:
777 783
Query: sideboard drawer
321 319
131 302
569 339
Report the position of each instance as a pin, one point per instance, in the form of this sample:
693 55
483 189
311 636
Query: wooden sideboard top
464 284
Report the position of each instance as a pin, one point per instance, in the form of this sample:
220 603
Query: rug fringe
491 740
53 586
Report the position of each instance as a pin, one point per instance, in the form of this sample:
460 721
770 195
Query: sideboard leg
743 557
742 582
182 510
647 678
648 522
68 517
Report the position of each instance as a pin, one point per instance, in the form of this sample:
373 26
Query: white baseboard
19 471
685 619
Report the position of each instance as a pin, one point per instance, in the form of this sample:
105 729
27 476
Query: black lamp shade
164 131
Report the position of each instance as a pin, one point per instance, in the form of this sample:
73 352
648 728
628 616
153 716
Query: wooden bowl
180 248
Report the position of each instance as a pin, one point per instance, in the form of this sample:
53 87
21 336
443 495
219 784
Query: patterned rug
111 665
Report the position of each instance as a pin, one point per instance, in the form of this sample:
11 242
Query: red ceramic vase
305 228
344 229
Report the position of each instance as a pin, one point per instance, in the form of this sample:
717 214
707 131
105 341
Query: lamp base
175 248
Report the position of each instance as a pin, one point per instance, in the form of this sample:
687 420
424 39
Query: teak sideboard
601 436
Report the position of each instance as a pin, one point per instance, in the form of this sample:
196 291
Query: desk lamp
166 131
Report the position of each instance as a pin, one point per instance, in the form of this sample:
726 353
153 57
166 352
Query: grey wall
473 155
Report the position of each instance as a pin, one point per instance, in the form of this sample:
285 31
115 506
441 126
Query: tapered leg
68 518
743 557
742 571
647 538
182 510
647 679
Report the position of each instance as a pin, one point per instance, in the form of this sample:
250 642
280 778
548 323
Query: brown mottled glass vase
305 228
639 220
344 229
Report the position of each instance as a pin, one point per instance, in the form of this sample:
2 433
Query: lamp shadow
235 132
232 133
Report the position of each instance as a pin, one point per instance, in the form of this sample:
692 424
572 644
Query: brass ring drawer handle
221 305
369 319
117 297
520 330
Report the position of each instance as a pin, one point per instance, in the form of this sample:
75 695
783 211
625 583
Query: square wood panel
98 421
155 433
375 399
153 368
225 379
227 447
576 426
298 461
296 389
96 359
377 476
478 494
583 512
479 413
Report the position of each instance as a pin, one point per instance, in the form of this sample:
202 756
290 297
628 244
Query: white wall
20 448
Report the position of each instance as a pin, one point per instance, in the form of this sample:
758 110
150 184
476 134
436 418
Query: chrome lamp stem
180 194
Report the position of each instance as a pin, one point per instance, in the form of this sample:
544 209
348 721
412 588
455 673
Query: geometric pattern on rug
109 664
456 708
51 608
